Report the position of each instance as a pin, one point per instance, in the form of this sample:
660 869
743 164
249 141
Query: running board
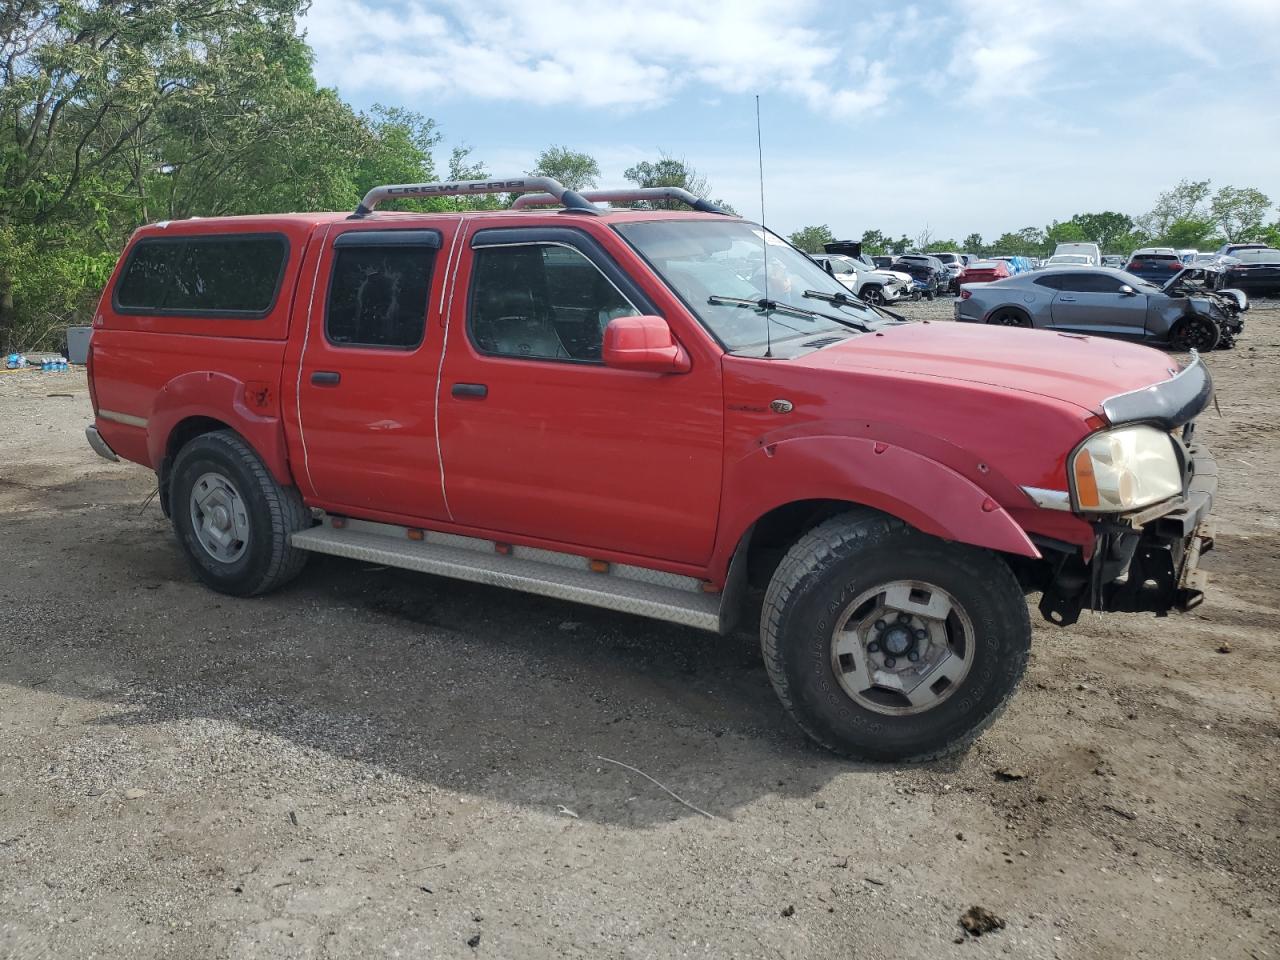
628 589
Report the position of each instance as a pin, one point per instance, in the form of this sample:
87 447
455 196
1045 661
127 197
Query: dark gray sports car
1185 312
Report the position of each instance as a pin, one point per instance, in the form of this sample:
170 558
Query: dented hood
1076 369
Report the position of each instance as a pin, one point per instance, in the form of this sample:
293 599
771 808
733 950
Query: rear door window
212 276
379 287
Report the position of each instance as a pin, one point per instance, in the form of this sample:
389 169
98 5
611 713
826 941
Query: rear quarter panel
152 371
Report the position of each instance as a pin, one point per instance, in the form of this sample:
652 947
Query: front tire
886 644
1009 318
1197 332
233 519
872 295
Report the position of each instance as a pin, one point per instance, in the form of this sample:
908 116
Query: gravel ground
377 763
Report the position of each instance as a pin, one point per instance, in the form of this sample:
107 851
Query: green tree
875 243
577 171
668 171
1186 201
1109 230
1068 232
1239 211
86 87
1189 233
973 244
812 239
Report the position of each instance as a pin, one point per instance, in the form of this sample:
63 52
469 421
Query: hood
1068 367
888 275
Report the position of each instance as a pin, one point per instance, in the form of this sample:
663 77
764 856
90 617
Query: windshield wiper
769 306
844 300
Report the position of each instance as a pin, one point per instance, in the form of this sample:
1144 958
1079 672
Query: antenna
764 239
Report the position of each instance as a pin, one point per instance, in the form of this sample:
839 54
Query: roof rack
632 193
570 199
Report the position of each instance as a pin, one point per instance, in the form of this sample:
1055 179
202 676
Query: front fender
250 408
928 495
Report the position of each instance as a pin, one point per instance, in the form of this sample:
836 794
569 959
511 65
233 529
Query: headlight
1124 469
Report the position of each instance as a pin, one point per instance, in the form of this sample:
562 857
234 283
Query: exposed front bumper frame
1145 562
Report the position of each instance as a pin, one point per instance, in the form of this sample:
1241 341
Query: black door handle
326 378
477 390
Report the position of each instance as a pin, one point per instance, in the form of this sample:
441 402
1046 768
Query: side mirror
643 343
1127 291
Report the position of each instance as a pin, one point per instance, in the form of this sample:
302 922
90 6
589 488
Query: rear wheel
232 518
887 644
1196 332
1009 318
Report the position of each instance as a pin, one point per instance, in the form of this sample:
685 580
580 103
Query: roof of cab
293 223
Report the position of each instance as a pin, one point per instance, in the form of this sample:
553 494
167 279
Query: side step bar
629 589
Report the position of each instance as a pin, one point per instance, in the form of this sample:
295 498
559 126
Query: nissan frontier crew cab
653 411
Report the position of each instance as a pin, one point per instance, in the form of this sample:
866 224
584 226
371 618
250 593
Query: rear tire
232 518
1196 332
861 586
1009 318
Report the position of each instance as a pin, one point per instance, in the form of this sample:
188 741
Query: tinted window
235 276
1053 281
378 296
1089 283
541 302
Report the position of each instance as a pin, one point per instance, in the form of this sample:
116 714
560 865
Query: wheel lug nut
890 662
921 634
873 648
913 656
904 618
879 624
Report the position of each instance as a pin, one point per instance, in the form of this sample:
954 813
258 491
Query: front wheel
232 518
886 644
872 295
1197 332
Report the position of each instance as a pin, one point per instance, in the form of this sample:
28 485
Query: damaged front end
1144 563
1197 292
1146 560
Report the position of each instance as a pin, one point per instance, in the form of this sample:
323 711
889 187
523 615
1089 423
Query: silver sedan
1109 303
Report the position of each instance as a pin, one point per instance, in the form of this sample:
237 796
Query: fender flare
928 495
251 408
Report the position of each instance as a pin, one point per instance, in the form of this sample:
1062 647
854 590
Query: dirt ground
377 763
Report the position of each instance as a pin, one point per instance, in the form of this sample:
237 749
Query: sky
952 116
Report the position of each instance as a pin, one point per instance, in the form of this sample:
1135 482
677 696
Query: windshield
702 259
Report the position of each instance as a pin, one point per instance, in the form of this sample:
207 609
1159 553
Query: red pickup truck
653 411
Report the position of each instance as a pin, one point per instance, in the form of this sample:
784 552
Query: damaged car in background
1182 314
871 285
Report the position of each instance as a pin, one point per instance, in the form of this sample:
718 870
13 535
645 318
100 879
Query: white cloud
628 54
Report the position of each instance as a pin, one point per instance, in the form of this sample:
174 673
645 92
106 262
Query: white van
1090 250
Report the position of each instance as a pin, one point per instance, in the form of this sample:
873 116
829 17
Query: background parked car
1256 271
884 263
985 271
1157 264
1091 251
871 285
1016 264
1104 302
954 263
930 276
1229 249
1069 260
1113 260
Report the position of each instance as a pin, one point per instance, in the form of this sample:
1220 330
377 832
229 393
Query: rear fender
927 494
252 409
